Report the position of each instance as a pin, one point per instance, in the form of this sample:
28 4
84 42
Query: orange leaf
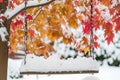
86 50
106 3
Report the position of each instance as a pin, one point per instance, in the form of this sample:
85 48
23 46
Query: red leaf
31 33
117 28
61 58
19 22
3 18
95 37
18 2
1 1
11 5
22 13
29 17
86 29
96 22
110 38
96 45
13 26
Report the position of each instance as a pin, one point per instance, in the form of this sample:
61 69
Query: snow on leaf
18 2
11 5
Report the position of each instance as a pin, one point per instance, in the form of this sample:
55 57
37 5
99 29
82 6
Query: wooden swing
63 67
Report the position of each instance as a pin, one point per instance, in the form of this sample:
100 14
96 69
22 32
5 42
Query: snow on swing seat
55 65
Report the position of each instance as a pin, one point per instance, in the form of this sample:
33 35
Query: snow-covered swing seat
33 64
54 65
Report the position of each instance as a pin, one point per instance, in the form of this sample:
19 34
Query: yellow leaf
86 50
39 0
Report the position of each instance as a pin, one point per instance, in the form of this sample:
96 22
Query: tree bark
3 60
4 45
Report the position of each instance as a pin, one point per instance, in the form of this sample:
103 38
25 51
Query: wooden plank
63 72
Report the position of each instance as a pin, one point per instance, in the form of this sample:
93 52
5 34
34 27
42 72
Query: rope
91 29
25 33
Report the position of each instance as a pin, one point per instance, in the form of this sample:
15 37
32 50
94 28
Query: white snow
3 33
91 78
55 64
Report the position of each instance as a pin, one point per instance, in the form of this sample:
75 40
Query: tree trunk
4 45
3 60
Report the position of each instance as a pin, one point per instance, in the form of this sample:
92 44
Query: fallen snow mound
91 78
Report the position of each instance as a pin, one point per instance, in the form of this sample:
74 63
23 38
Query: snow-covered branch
34 3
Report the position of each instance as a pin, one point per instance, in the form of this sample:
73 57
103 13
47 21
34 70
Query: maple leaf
22 13
78 3
86 29
96 22
96 45
73 21
86 50
106 3
84 40
19 22
29 17
31 33
117 28
67 40
13 26
109 38
18 2
117 7
95 37
2 17
11 5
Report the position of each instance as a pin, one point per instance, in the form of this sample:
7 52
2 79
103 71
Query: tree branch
12 13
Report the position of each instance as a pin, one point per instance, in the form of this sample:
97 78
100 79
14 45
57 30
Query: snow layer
55 64
3 33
